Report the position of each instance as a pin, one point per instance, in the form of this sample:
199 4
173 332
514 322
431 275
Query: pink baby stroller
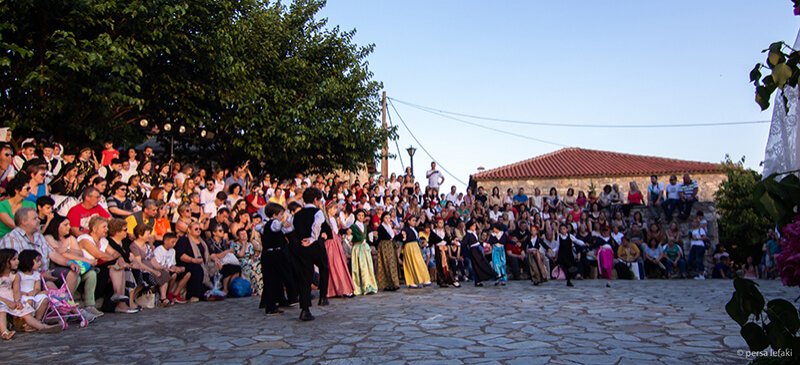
62 305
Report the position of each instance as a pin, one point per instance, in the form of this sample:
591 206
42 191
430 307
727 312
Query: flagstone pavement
633 322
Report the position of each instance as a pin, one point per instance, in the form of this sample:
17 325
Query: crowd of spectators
133 227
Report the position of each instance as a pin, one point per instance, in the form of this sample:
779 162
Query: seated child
165 255
9 303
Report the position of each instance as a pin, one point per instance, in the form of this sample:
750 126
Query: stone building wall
708 183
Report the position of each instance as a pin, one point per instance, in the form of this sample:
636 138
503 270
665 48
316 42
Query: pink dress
605 261
340 283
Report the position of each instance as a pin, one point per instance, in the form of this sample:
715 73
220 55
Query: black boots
323 302
305 315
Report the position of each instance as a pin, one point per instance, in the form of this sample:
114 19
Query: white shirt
164 257
673 191
434 178
102 246
655 189
207 197
617 236
277 226
212 208
452 198
394 185
126 174
316 227
696 237
347 221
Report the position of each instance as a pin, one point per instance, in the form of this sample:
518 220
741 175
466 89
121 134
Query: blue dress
499 255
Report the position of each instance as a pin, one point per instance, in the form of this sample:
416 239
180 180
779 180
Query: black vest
303 221
272 239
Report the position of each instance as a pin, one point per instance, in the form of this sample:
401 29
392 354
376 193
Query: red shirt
635 197
109 155
79 216
250 200
516 250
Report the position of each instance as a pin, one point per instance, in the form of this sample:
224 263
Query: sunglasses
195 229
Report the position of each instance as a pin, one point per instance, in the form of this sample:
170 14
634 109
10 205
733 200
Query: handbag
147 300
230 259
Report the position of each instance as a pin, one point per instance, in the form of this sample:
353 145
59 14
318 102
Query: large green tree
272 81
741 225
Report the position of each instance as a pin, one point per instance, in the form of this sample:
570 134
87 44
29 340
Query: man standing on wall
435 178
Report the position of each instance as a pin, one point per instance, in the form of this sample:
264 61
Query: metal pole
385 149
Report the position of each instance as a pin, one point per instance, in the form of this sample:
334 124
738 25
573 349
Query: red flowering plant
774 324
788 261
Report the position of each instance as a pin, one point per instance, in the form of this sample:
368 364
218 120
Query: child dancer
498 240
414 268
361 258
480 266
340 284
566 255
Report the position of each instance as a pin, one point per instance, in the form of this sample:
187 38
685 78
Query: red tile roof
579 162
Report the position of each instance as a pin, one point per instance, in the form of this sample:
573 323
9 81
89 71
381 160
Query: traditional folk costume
276 270
308 225
439 240
363 274
482 269
387 259
415 270
340 283
566 255
498 241
533 250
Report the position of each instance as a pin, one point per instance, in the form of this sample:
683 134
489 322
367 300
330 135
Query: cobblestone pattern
645 322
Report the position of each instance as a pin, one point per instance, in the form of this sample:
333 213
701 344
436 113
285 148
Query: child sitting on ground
11 303
28 284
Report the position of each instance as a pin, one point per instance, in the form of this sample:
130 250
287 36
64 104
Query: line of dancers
298 238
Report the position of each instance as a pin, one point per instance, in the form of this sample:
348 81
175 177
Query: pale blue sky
609 62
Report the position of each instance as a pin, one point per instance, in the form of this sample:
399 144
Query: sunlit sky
586 62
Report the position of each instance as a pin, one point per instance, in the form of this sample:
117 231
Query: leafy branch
782 64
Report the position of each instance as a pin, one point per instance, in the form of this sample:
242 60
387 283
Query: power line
496 130
399 155
578 125
421 146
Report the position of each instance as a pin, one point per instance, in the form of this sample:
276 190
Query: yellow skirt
414 268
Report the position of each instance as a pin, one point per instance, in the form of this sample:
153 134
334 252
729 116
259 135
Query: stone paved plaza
645 322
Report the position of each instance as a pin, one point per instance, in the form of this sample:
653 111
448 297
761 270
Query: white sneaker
88 315
94 311
699 277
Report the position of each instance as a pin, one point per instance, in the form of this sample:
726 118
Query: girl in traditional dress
498 240
414 269
537 251
387 255
340 284
361 258
439 240
481 268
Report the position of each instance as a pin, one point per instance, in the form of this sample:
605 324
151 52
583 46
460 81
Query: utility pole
385 149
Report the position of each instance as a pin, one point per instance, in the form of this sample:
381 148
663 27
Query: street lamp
411 150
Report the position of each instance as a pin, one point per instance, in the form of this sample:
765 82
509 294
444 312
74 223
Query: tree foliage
740 222
272 81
